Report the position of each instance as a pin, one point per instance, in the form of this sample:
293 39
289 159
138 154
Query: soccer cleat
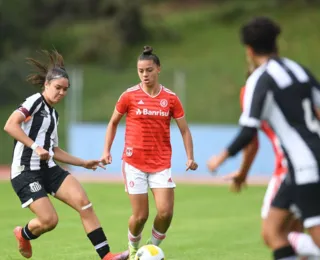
118 256
132 252
149 242
24 245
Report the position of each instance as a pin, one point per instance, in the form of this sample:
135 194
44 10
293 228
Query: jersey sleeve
178 111
253 101
30 105
123 103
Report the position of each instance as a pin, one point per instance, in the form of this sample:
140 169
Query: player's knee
141 219
86 207
165 214
83 205
49 222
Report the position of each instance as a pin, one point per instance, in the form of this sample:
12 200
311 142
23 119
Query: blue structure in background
87 141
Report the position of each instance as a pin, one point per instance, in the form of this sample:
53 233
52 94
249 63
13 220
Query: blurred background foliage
104 37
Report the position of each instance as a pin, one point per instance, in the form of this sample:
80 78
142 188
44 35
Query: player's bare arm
188 143
239 177
245 136
110 134
13 128
64 157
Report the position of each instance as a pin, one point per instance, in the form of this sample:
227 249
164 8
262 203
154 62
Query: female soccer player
34 172
295 124
147 153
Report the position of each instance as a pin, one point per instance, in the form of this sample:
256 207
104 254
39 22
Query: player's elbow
185 131
7 127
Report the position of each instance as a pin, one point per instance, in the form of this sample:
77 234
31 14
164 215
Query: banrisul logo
148 112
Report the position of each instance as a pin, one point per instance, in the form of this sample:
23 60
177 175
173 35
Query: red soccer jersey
147 137
280 167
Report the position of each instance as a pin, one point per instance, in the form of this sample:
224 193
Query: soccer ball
150 252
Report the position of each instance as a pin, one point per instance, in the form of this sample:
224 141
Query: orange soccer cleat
24 245
118 256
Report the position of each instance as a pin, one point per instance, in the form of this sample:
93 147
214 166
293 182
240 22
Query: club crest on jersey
129 151
164 103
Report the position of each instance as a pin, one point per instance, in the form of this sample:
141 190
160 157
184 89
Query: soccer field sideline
200 179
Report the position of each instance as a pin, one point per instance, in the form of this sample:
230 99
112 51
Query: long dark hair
52 69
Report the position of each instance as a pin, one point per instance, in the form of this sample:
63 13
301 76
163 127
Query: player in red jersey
149 107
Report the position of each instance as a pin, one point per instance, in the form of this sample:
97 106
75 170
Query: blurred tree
129 23
84 31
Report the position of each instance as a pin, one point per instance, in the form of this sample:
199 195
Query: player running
149 107
239 177
284 94
34 172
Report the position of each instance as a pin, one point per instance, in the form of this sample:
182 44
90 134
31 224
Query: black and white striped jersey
40 125
285 94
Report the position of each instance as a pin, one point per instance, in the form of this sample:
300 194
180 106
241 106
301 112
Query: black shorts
305 197
33 185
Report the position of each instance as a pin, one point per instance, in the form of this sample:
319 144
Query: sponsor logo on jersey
148 112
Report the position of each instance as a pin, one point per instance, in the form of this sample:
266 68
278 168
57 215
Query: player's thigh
275 228
315 234
162 186
29 187
136 181
73 194
136 185
164 200
272 189
139 205
45 211
279 213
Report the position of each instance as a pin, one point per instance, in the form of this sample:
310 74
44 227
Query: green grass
209 223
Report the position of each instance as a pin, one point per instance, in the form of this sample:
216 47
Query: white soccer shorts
138 182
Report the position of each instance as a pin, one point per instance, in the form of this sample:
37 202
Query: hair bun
147 50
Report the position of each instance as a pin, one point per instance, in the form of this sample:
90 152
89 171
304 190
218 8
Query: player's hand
92 164
215 161
106 159
238 181
192 165
43 154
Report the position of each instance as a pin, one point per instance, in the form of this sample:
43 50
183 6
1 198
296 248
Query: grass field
210 223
